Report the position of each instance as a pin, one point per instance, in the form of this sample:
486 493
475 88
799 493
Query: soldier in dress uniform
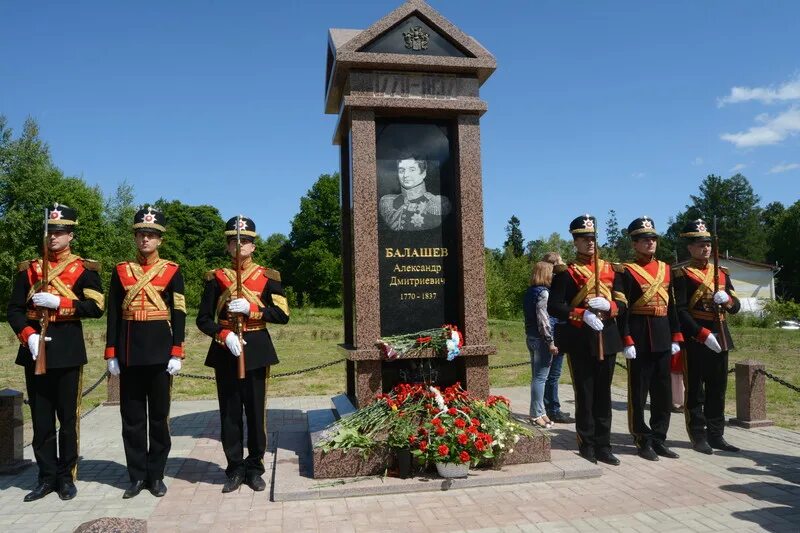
702 307
144 346
414 209
71 292
586 318
261 301
651 333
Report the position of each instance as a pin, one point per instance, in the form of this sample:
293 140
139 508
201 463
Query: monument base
750 424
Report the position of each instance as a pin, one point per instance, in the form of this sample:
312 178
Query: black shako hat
61 218
583 226
247 228
148 219
642 227
696 231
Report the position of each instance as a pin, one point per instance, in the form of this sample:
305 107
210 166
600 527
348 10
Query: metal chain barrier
84 393
510 365
779 380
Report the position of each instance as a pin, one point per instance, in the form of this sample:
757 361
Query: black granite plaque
417 235
414 36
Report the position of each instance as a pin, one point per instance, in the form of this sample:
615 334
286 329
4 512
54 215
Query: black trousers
591 380
144 398
235 397
706 376
649 374
56 394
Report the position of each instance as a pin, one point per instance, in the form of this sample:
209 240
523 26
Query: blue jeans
551 404
540 363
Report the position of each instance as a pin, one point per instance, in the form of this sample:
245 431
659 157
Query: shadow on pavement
785 516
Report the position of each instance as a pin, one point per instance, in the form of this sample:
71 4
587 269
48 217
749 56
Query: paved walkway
756 490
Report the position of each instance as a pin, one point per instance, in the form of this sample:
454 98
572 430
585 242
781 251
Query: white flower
438 398
516 439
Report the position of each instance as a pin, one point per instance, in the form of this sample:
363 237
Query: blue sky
594 106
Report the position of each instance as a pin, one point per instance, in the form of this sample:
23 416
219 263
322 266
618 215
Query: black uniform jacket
146 313
77 282
652 319
262 288
568 301
694 299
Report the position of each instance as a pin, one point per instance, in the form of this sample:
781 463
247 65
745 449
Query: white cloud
784 167
772 131
738 167
638 175
766 95
697 161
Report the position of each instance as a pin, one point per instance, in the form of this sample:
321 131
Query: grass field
312 336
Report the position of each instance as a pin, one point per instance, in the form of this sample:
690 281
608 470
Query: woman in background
539 332
552 405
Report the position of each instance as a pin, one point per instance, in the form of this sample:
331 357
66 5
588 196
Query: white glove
239 305
675 348
45 299
629 352
598 303
721 297
33 344
174 366
592 321
712 343
113 366
232 342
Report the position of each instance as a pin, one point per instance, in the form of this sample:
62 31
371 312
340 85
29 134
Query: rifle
723 341
44 313
238 321
600 349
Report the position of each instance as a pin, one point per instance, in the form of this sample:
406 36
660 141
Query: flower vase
404 462
452 470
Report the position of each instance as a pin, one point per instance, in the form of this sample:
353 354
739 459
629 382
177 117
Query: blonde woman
539 332
552 404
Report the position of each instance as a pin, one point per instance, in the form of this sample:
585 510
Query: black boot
647 452
702 447
256 482
661 449
67 490
233 482
134 489
720 443
605 456
157 488
41 490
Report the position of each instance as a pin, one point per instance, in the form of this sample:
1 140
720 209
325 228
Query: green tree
311 258
514 241
195 239
29 181
785 250
618 245
739 225
554 243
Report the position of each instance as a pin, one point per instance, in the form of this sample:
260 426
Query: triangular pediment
444 38
414 36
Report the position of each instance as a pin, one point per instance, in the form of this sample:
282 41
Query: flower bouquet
452 437
446 339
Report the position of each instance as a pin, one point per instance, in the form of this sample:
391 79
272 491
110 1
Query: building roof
747 262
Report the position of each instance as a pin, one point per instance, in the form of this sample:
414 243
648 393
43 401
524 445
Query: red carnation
480 445
436 421
464 456
443 450
475 422
466 410
452 411
412 439
441 431
463 438
423 445
460 423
